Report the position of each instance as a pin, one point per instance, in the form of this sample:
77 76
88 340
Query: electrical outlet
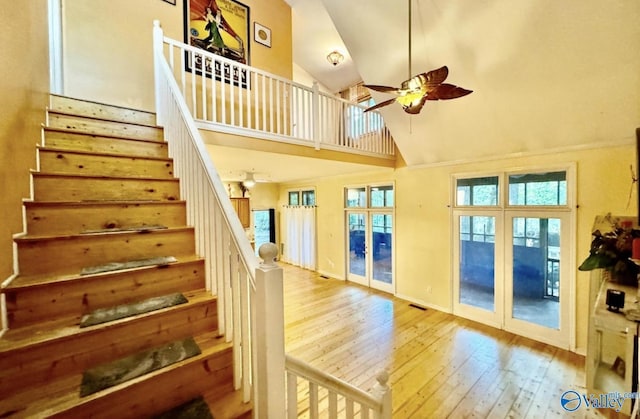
429 289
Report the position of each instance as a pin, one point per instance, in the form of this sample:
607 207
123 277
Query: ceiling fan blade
447 91
437 76
379 105
378 88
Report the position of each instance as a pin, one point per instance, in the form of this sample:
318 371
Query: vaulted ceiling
545 74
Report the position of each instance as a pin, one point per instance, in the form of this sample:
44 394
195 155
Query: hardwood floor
440 365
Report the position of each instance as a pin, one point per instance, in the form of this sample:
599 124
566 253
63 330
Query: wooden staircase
104 193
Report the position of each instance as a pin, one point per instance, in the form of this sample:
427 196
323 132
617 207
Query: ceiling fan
414 92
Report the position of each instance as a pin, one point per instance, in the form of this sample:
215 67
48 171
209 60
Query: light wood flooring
440 365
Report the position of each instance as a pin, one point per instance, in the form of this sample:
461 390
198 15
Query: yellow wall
24 79
107 46
423 218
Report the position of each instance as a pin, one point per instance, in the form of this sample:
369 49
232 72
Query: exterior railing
227 96
249 294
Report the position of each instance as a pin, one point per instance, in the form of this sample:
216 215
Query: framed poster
220 27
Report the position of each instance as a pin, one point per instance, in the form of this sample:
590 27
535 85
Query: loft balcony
259 110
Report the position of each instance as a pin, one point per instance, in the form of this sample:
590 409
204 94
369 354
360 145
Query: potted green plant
612 251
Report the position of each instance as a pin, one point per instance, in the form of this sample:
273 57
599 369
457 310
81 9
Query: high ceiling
545 74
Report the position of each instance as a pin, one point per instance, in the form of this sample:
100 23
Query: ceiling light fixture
249 181
335 58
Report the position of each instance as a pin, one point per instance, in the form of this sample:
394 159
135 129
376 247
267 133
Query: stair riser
73 219
76 353
74 298
100 165
99 127
68 255
97 110
69 188
98 144
162 392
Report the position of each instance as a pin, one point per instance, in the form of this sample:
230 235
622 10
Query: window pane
477 261
477 191
294 198
382 196
536 272
308 197
463 195
484 229
538 189
356 197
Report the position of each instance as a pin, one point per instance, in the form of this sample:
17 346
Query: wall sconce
335 58
249 181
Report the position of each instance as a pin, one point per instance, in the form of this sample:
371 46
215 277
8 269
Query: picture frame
173 2
261 34
220 27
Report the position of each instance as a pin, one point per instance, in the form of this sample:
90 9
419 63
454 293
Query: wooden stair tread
21 281
42 333
87 176
101 135
54 111
55 98
36 238
56 396
105 154
34 203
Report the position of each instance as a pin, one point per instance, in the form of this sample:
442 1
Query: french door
537 261
513 272
513 262
370 248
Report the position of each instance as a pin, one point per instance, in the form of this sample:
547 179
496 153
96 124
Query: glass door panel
477 261
264 230
357 238
382 251
536 270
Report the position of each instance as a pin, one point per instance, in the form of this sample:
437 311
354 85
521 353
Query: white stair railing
250 307
226 96
250 294
336 398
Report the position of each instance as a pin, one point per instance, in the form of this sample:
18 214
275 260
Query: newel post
158 54
382 392
269 334
315 108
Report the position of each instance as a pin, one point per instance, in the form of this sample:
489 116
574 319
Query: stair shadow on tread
104 315
124 369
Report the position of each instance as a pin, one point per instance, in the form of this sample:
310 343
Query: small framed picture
262 34
170 1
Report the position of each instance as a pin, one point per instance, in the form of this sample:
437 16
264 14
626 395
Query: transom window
481 191
370 197
538 189
302 197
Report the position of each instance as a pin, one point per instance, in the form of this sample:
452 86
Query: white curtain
300 236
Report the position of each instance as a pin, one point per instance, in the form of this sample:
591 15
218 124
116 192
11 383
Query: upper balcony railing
225 95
